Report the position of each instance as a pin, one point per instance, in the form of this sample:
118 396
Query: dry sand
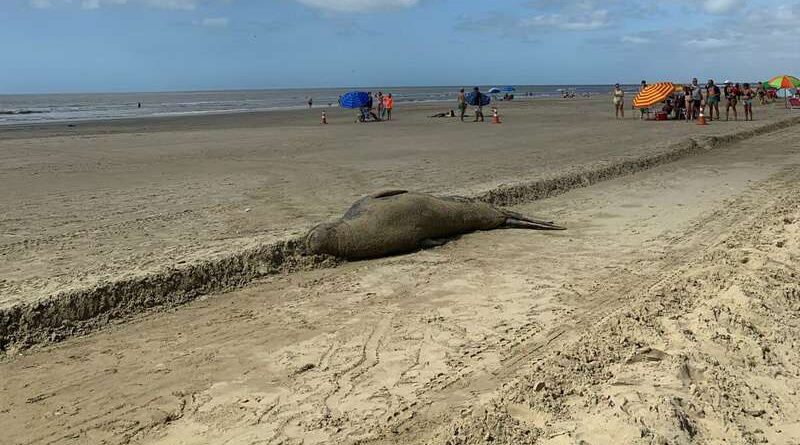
106 201
667 314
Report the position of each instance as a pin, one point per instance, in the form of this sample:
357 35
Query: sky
154 45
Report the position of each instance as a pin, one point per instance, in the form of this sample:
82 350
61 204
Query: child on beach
619 102
689 99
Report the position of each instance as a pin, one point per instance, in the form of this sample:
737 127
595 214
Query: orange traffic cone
324 118
701 119
495 116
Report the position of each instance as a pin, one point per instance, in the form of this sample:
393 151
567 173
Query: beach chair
794 103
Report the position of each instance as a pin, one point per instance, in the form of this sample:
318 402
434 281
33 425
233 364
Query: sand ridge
84 308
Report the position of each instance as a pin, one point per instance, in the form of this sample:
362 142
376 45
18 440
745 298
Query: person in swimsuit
619 102
761 94
712 99
462 104
747 99
732 98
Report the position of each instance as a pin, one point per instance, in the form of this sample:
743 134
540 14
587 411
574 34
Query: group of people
380 103
462 104
690 101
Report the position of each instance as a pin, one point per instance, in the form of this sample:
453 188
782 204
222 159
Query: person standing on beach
644 111
619 102
379 99
388 104
478 105
732 99
697 98
688 91
310 102
462 104
713 94
747 99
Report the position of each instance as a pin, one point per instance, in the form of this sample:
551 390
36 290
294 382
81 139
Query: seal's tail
516 220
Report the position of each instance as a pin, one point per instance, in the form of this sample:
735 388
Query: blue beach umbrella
472 99
354 99
509 89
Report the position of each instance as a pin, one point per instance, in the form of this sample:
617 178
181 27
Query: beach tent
509 89
354 99
494 90
653 94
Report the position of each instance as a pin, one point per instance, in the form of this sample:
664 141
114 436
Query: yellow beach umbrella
653 94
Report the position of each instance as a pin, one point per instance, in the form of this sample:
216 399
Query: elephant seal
398 221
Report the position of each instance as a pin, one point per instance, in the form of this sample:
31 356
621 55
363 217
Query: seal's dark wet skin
398 221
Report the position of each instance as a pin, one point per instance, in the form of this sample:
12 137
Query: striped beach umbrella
784 81
653 94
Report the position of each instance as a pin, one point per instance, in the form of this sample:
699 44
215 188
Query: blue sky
143 45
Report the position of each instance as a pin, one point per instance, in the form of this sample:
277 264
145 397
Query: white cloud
186 5
709 43
569 22
638 40
214 22
41 4
722 6
359 5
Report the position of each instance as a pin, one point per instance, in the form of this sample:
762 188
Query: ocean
45 108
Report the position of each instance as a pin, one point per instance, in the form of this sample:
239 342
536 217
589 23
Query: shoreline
65 314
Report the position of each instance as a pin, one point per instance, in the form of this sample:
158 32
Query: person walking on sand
619 102
713 94
747 99
310 102
478 105
732 99
388 104
462 104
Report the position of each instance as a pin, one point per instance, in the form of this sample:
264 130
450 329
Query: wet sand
105 201
665 314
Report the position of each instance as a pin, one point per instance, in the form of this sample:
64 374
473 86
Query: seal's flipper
521 217
388 193
514 223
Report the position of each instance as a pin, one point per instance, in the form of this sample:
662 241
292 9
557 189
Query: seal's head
319 239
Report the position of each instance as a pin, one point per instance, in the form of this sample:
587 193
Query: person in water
619 102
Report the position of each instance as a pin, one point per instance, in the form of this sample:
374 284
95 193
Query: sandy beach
104 201
666 314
